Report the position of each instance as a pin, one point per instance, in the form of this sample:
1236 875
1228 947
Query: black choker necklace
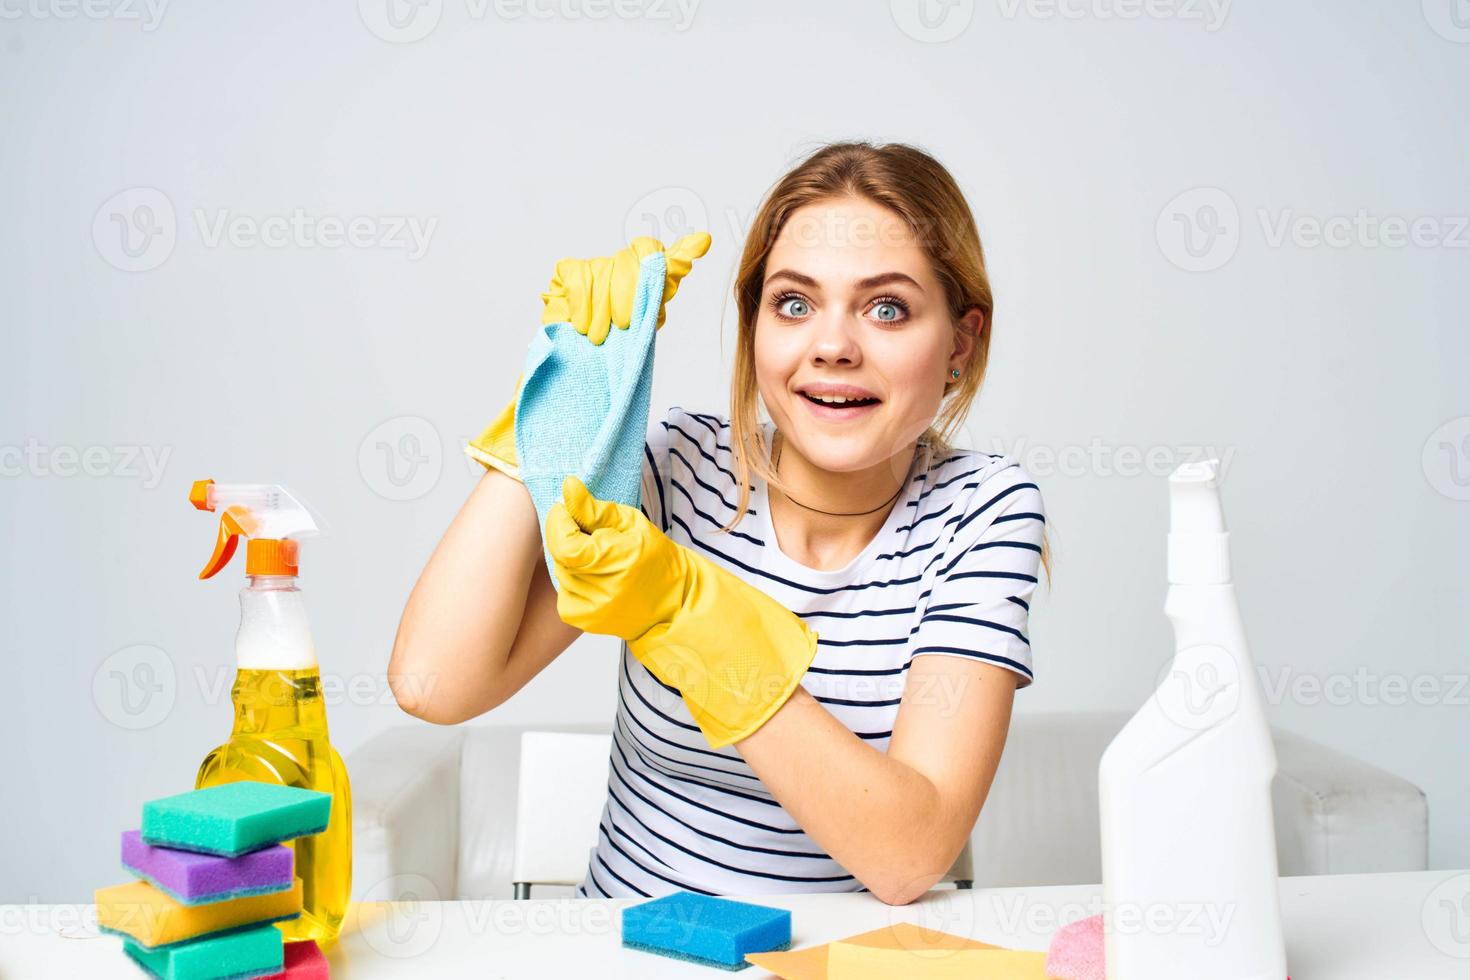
776 465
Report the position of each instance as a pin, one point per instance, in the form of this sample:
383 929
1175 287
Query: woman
865 585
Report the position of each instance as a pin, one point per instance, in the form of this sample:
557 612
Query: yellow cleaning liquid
280 736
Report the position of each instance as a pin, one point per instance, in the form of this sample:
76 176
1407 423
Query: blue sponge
705 930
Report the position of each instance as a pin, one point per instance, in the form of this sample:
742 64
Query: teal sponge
234 818
255 952
705 930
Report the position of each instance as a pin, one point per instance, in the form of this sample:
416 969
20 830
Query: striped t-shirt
950 573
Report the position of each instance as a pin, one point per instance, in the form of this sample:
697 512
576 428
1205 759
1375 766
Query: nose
834 341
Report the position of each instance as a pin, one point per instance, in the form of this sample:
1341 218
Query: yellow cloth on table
903 939
846 961
139 910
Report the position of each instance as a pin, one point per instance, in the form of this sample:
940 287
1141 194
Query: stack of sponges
214 877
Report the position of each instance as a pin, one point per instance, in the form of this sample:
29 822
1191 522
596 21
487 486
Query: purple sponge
195 879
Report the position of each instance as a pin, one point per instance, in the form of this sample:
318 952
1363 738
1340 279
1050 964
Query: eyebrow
882 279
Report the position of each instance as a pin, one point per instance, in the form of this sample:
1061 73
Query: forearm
881 819
462 617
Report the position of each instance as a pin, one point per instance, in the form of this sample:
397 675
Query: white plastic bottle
1188 843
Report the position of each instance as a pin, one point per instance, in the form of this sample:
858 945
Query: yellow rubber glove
733 652
496 446
585 292
595 295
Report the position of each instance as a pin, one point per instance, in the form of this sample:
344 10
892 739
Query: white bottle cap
1199 545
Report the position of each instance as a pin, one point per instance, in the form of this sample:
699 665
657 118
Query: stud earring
954 372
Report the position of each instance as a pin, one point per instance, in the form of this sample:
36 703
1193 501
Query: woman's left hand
732 651
618 574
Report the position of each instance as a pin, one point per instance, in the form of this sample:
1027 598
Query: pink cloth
1076 951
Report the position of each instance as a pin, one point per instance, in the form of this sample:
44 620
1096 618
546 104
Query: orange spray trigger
234 522
266 513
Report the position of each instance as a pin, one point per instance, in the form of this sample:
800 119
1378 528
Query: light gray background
1331 375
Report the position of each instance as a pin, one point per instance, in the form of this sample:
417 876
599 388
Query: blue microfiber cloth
705 930
583 407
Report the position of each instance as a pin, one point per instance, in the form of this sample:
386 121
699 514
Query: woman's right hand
595 295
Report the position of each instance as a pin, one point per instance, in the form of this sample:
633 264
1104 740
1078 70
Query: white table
1338 927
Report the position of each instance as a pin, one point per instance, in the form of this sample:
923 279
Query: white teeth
832 399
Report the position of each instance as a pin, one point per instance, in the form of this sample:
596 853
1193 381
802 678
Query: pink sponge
1076 951
304 961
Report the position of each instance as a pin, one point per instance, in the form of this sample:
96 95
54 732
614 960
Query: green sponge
257 952
234 818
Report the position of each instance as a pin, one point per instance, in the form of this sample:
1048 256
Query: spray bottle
1188 842
280 730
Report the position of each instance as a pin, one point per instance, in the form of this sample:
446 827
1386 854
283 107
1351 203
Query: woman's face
851 304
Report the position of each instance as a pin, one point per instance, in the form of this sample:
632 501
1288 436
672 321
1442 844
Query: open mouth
839 408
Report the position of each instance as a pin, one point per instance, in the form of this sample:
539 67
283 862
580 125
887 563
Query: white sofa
434 809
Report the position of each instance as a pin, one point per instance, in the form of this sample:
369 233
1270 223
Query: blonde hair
912 184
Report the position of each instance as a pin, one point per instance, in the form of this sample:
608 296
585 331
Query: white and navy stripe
951 573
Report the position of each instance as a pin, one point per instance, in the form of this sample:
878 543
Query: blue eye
890 309
781 299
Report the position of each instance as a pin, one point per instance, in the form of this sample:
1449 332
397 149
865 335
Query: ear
967 332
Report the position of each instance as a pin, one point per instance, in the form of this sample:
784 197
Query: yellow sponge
152 918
